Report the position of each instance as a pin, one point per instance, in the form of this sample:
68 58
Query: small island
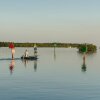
91 48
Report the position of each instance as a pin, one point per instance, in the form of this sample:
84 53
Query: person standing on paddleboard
11 46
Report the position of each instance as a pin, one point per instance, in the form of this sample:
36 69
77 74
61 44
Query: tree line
90 47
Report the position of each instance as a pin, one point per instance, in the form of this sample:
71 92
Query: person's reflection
25 62
84 64
11 67
35 65
28 61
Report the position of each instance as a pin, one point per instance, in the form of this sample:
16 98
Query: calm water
58 74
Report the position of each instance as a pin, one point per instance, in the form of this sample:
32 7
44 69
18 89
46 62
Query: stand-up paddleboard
10 59
22 58
29 58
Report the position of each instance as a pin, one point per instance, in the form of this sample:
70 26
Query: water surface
58 74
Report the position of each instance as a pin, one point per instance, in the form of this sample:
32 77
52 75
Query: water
58 74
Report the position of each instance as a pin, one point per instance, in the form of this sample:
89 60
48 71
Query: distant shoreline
91 47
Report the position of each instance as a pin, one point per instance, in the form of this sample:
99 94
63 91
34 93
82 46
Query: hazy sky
50 21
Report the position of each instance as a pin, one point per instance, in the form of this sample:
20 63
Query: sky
76 21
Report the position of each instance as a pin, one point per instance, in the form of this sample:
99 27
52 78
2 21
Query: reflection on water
84 67
25 62
11 67
54 53
84 64
35 65
28 61
52 80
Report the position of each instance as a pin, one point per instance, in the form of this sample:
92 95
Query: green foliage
89 48
81 47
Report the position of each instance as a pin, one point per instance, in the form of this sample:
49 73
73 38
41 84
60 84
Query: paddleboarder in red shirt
11 46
